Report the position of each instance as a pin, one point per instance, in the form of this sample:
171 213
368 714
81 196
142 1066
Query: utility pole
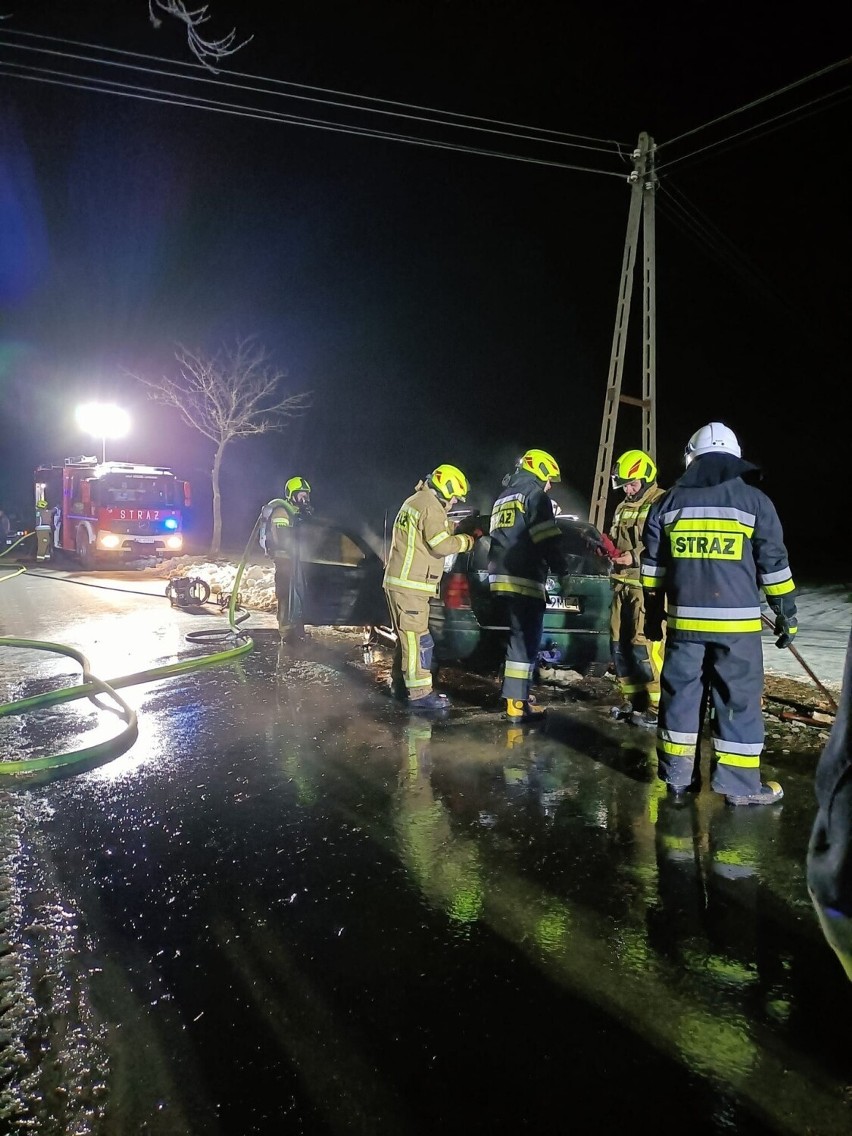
641 214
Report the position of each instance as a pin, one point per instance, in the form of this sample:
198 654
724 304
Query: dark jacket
525 539
711 543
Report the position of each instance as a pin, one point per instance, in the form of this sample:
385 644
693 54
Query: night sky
440 305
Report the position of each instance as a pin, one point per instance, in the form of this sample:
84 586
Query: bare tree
206 51
234 394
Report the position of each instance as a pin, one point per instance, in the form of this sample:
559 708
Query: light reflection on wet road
292 907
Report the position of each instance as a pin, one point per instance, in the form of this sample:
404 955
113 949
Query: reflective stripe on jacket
626 530
525 539
422 537
711 543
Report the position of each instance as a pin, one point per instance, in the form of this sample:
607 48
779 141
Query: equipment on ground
106 512
187 591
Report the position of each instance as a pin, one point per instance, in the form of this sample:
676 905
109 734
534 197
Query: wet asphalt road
291 907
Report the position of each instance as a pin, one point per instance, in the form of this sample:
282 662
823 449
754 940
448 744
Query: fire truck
103 513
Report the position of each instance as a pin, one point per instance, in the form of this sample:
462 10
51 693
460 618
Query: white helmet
711 439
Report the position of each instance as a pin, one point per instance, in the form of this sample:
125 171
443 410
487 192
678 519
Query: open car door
343 577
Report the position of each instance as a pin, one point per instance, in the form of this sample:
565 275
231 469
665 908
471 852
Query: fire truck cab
103 513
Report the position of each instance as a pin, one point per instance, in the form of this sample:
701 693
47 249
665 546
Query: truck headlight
174 542
108 540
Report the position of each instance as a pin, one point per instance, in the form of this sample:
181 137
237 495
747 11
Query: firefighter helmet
542 464
714 438
633 465
295 485
449 481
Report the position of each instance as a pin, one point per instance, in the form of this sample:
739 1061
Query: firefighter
525 542
829 862
637 662
422 537
44 529
281 538
711 542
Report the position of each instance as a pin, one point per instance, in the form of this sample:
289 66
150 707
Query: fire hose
825 693
92 687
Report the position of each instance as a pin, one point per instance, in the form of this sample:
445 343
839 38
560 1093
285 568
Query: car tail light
457 591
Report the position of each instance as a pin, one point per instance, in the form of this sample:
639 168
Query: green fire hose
91 687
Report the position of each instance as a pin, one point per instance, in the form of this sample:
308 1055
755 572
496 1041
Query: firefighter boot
519 712
622 712
768 794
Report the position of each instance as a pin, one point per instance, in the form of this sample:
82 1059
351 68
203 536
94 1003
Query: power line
127 90
750 129
610 143
757 102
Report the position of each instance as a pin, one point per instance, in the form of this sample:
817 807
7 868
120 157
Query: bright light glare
109 540
174 542
103 420
170 522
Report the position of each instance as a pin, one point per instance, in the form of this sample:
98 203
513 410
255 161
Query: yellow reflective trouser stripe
437 539
725 626
412 646
655 650
675 749
631 687
652 578
412 585
741 761
518 670
779 589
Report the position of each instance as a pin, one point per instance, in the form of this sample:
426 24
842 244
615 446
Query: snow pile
257 586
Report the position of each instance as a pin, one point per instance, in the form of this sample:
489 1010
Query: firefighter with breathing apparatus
280 538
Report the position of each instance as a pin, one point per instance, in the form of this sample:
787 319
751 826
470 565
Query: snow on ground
825 615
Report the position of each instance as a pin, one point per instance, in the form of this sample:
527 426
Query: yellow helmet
633 465
542 464
295 485
449 481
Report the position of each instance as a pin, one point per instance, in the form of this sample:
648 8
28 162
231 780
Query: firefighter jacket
712 542
277 536
422 537
626 531
525 539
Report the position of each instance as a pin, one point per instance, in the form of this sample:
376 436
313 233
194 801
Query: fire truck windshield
138 490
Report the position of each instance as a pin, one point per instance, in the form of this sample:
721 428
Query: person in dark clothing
525 543
712 542
280 538
829 862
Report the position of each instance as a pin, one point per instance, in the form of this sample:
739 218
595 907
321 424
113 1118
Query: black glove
786 627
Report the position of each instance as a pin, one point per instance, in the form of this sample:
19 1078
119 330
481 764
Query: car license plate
563 603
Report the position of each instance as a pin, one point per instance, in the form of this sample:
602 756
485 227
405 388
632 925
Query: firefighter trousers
290 594
725 675
637 662
525 616
412 657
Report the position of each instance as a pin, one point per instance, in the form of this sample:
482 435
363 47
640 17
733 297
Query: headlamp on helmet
542 464
448 481
633 465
